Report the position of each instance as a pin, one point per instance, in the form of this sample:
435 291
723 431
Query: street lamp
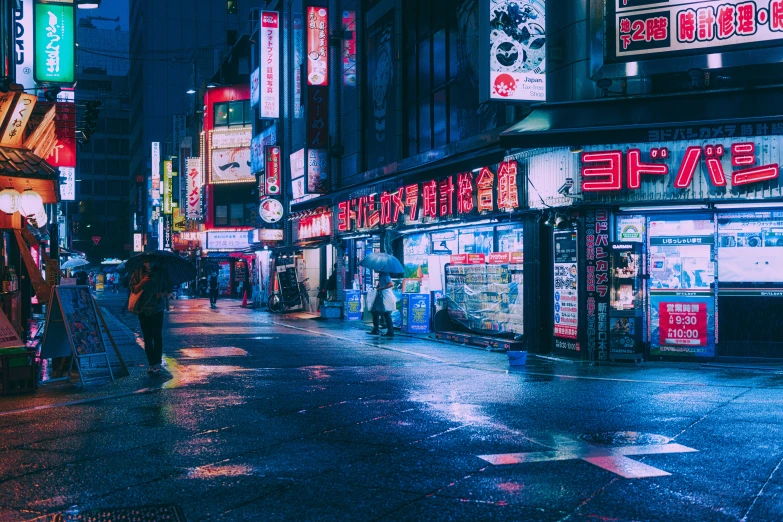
88 4
191 91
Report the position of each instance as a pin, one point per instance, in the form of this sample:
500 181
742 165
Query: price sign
683 324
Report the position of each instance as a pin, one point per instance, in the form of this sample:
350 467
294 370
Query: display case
485 298
626 306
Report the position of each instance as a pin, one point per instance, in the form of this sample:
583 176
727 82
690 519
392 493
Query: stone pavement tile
768 505
474 440
313 501
452 509
405 469
17 462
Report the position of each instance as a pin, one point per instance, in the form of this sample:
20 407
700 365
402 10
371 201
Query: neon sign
613 170
434 199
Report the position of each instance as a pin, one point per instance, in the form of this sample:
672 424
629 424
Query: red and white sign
272 170
195 180
458 259
349 49
467 259
64 152
682 324
517 258
499 258
270 64
476 259
730 164
315 226
317 46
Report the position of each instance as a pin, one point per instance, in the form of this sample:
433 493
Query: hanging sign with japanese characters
597 283
651 29
270 64
23 43
317 46
255 85
692 169
195 180
13 134
64 152
485 190
55 43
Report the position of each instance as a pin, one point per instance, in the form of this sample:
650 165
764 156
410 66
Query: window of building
112 146
221 215
221 114
237 214
231 38
100 187
116 188
85 186
99 146
85 166
233 113
232 7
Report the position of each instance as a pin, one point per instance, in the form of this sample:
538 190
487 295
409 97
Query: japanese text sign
55 43
597 259
269 64
195 180
272 170
13 133
317 46
64 152
255 87
682 324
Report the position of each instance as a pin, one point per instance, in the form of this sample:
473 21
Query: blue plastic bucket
517 358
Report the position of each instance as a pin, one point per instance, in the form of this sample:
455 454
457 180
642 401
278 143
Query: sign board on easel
9 338
73 328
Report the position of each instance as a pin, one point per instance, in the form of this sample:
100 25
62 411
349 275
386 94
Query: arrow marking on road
614 459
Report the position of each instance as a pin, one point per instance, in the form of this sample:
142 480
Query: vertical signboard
317 171
272 171
168 225
137 244
349 49
597 283
13 133
317 46
64 152
270 64
67 183
566 292
55 43
195 180
513 50
167 186
23 43
155 190
255 86
298 61
380 122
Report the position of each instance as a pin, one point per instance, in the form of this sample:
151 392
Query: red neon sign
484 183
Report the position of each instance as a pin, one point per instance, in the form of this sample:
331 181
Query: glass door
681 286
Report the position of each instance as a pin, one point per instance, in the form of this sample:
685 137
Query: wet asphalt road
285 418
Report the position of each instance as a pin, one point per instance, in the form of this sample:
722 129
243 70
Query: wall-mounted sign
349 49
317 46
597 283
455 196
272 170
23 43
652 29
168 225
315 226
55 43
255 87
231 166
195 180
721 166
317 171
138 246
297 161
257 157
13 134
231 139
566 292
155 163
513 33
64 152
270 210
67 183
270 64
266 234
227 240
167 186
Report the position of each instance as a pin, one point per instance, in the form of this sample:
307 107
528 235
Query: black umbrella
179 270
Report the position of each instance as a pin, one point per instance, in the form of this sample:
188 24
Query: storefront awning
699 115
20 169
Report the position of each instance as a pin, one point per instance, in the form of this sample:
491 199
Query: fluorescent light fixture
714 61
89 5
632 69
747 206
455 224
191 91
663 208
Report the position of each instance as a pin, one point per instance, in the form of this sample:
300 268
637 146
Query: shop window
221 215
232 6
221 114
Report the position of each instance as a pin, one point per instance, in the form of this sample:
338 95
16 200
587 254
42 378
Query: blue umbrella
382 263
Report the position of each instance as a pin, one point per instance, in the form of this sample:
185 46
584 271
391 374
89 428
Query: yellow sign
179 220
167 186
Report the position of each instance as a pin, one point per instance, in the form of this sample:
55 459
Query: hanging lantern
9 201
30 203
40 219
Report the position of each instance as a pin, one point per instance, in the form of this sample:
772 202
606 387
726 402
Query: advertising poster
566 300
270 64
682 324
297 161
477 241
380 123
317 171
416 248
55 43
231 165
67 183
317 46
517 50
353 305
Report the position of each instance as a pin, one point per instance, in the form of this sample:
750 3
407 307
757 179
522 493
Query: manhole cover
624 438
132 514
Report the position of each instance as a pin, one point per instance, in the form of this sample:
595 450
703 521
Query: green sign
55 43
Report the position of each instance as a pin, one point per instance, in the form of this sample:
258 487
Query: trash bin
517 358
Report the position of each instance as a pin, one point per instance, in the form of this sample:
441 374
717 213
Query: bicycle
278 304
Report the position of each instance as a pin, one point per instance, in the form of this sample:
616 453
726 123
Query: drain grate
624 438
132 514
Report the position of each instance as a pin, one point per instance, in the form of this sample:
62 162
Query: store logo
630 233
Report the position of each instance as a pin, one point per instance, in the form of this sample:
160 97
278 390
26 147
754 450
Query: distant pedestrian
213 289
378 309
153 283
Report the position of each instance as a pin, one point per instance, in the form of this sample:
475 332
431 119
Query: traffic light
91 118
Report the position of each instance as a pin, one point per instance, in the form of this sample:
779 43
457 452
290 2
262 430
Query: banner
566 278
317 46
270 64
272 171
597 283
195 180
155 163
167 231
55 43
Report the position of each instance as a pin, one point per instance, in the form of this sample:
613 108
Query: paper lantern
9 201
30 203
40 219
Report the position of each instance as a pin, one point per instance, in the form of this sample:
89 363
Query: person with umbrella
152 281
385 265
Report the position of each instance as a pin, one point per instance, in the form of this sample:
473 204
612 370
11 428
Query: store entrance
681 286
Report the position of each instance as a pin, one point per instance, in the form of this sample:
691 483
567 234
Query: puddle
230 470
206 353
624 438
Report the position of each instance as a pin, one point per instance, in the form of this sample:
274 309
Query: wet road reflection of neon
206 353
187 374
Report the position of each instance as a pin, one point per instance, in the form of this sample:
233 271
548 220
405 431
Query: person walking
213 289
153 284
378 309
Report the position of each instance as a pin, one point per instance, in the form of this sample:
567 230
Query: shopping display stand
73 330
